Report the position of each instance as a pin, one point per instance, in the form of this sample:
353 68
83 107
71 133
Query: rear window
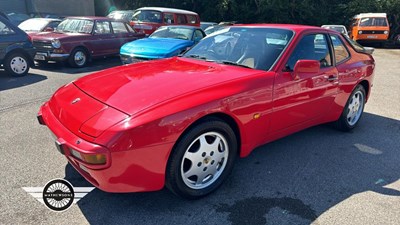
119 27
181 19
192 19
373 21
4 29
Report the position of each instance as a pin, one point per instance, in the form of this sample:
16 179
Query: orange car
370 27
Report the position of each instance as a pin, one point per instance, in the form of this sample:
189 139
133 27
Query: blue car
165 42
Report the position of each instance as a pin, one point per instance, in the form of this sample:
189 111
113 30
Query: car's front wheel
353 110
16 65
202 159
78 58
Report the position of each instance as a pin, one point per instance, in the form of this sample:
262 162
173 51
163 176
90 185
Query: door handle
332 78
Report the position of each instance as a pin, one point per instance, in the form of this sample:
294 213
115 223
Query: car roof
362 15
333 26
93 18
121 11
45 19
168 10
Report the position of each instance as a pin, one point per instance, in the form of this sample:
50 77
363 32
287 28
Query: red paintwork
146 107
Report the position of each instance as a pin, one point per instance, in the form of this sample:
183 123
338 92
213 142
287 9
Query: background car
79 39
181 122
165 42
16 50
339 28
36 25
149 19
217 27
125 15
204 25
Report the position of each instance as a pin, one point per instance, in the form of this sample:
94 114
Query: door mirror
305 67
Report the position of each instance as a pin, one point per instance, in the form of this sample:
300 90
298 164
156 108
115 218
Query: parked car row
77 40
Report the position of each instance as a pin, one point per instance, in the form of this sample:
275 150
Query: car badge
75 100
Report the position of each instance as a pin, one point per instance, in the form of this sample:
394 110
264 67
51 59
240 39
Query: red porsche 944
181 122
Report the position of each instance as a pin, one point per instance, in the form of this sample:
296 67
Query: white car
340 28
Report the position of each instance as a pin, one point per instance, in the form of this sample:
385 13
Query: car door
308 96
104 43
123 33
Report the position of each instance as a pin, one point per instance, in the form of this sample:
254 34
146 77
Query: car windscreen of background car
257 48
373 21
173 32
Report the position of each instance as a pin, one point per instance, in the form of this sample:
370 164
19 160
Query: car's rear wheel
78 58
353 110
16 64
202 159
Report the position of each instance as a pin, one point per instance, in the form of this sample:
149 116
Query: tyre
78 58
16 64
202 159
353 110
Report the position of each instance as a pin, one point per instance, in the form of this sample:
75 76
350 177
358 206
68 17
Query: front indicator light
360 32
95 159
386 32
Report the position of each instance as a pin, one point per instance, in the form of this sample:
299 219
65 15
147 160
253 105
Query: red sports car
181 122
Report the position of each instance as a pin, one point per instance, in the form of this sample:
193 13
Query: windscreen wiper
226 62
199 57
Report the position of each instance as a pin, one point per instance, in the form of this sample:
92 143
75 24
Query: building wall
13 6
61 7
66 7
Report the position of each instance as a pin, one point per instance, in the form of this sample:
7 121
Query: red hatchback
79 39
181 122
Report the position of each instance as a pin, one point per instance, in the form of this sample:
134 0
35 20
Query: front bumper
49 56
142 169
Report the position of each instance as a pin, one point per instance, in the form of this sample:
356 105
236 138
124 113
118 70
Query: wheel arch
23 52
85 49
366 87
219 116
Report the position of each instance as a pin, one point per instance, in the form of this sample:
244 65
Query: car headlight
56 43
386 32
360 32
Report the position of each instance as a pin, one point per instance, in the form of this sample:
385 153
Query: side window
4 29
340 50
119 28
198 35
102 27
181 19
191 19
53 24
313 47
169 18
